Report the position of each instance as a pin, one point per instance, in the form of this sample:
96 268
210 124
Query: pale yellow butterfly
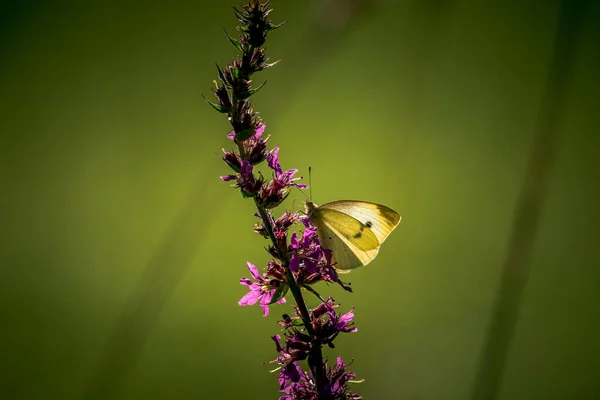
352 230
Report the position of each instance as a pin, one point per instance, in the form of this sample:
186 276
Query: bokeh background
121 249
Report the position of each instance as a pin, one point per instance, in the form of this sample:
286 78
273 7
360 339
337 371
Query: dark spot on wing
358 234
329 237
369 224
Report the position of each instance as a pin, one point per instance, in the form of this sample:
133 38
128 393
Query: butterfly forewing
346 254
380 219
349 228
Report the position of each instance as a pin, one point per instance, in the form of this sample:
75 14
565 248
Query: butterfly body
352 230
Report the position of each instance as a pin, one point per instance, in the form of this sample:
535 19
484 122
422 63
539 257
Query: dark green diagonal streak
517 262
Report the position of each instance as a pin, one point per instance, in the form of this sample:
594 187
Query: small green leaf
235 72
297 322
279 293
234 42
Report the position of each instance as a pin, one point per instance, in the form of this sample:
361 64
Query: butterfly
352 230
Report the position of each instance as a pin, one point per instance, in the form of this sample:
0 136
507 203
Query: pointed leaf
234 42
273 27
221 75
221 109
272 64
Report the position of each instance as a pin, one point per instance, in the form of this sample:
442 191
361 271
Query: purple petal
245 169
310 265
277 340
346 318
250 298
286 176
291 372
309 236
344 321
267 297
295 263
228 178
259 131
265 309
305 221
294 241
273 161
231 135
253 271
246 281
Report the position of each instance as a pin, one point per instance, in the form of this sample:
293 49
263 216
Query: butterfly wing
353 244
380 219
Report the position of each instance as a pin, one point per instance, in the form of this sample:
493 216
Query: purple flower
297 348
273 193
283 223
233 160
280 225
285 177
263 290
314 259
259 131
273 161
255 148
306 250
327 324
336 388
245 180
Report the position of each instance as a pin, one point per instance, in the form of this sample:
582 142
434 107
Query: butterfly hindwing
353 244
380 219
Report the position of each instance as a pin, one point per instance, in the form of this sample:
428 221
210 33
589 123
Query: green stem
315 359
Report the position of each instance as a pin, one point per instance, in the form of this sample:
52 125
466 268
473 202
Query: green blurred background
121 249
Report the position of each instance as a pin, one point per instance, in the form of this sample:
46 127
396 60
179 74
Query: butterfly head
310 207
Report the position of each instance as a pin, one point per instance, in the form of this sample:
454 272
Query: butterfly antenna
303 194
310 183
